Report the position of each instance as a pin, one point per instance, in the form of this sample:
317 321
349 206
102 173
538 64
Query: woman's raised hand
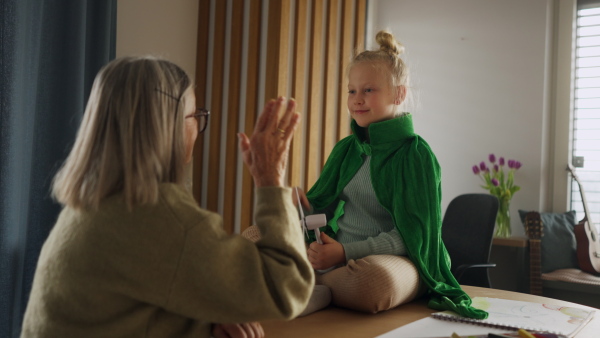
266 151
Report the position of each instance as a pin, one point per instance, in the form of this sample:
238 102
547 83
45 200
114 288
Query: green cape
406 178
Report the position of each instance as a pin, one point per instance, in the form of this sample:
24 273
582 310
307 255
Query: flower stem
503 218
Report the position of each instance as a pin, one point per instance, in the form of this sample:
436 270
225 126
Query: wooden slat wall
346 51
218 75
359 24
277 49
314 136
252 100
298 92
233 98
308 46
201 73
330 121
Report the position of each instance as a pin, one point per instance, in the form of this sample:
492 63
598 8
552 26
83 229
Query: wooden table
336 322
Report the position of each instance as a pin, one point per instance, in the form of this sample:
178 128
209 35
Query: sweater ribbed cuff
356 250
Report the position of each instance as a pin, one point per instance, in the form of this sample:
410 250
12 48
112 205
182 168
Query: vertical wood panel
325 114
298 91
233 97
251 104
214 157
201 68
277 49
313 137
359 23
346 53
330 126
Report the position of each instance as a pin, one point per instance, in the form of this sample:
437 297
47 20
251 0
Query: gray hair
131 138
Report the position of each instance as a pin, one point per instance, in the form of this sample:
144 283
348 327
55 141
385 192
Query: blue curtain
50 52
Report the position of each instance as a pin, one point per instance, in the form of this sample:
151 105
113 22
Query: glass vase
503 218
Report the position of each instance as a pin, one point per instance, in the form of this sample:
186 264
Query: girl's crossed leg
374 283
371 284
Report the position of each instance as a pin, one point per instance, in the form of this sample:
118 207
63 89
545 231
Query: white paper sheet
431 327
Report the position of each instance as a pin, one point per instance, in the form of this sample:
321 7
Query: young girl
381 191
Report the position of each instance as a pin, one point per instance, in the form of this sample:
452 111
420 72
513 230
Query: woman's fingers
269 120
244 143
260 330
252 330
264 117
273 121
266 151
289 130
228 331
240 330
287 115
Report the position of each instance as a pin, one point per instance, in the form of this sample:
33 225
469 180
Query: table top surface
338 322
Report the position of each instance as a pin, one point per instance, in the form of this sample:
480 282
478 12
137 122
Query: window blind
586 123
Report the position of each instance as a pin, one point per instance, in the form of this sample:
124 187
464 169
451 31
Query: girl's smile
371 98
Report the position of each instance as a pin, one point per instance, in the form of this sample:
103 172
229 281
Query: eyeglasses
201 115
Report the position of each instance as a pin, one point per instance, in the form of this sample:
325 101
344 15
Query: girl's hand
303 199
323 256
266 152
244 330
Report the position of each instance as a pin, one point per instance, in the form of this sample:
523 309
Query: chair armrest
460 270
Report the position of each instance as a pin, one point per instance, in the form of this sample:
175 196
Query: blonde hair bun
387 43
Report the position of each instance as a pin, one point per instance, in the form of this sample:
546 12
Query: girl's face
371 98
191 125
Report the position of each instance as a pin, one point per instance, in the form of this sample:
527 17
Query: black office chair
467 232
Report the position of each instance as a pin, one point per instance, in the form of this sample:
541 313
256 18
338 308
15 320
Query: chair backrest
467 232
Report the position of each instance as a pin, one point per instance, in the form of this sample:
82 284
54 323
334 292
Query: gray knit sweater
366 228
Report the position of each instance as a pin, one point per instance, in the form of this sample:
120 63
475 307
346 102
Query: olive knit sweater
166 270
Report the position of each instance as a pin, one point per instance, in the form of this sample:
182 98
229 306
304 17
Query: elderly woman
132 254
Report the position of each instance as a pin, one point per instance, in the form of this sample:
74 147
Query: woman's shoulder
175 208
178 201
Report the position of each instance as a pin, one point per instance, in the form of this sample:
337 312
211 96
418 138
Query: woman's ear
400 95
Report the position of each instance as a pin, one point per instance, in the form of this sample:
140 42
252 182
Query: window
586 123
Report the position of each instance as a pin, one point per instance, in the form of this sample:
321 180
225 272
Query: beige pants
371 284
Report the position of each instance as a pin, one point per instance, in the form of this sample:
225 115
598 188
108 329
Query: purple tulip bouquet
499 183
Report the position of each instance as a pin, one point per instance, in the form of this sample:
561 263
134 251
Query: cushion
573 276
559 246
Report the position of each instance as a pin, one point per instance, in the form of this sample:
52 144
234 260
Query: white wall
479 70
168 29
